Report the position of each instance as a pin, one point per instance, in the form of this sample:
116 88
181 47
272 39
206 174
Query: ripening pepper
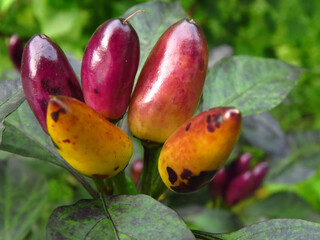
240 165
15 51
86 140
46 71
195 152
219 183
246 183
239 188
170 83
109 66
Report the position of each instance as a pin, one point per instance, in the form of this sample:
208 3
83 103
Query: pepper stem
150 167
139 11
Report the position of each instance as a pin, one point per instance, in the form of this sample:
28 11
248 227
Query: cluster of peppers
238 181
81 120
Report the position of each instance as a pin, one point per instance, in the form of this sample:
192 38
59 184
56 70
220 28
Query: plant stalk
150 167
120 183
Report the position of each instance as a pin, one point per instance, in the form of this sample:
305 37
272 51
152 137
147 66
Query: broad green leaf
134 216
302 163
251 84
278 205
209 220
264 132
11 97
23 194
149 26
24 136
277 229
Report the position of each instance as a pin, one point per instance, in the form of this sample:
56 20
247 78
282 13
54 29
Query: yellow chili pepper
87 141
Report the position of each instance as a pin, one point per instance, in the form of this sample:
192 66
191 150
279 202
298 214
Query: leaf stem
120 183
100 184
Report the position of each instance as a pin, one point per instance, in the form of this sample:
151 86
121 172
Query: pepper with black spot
194 153
86 140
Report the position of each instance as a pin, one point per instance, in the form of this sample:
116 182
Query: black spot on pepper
96 90
45 84
194 182
116 168
188 127
55 115
208 119
172 175
186 174
210 128
43 104
66 141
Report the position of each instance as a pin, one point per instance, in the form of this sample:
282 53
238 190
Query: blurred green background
281 29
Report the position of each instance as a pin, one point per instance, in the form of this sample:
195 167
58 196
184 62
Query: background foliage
285 30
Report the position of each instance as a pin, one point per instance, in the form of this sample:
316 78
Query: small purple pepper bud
15 51
218 186
259 172
46 71
240 165
239 188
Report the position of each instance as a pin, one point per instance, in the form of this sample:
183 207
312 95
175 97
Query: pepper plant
186 117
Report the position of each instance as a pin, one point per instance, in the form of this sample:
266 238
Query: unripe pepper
240 165
198 149
86 140
136 169
259 172
15 51
109 66
170 83
239 188
219 183
46 71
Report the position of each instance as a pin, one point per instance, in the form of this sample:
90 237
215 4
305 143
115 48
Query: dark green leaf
251 84
302 163
279 205
209 220
135 217
24 136
264 132
150 25
11 97
277 229
23 194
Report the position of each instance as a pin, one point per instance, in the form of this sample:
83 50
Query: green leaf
279 229
264 132
23 194
11 97
251 84
23 135
135 217
279 205
302 163
149 26
209 220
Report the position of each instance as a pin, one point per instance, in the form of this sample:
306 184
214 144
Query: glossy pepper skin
109 66
46 71
195 152
15 51
86 140
170 83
